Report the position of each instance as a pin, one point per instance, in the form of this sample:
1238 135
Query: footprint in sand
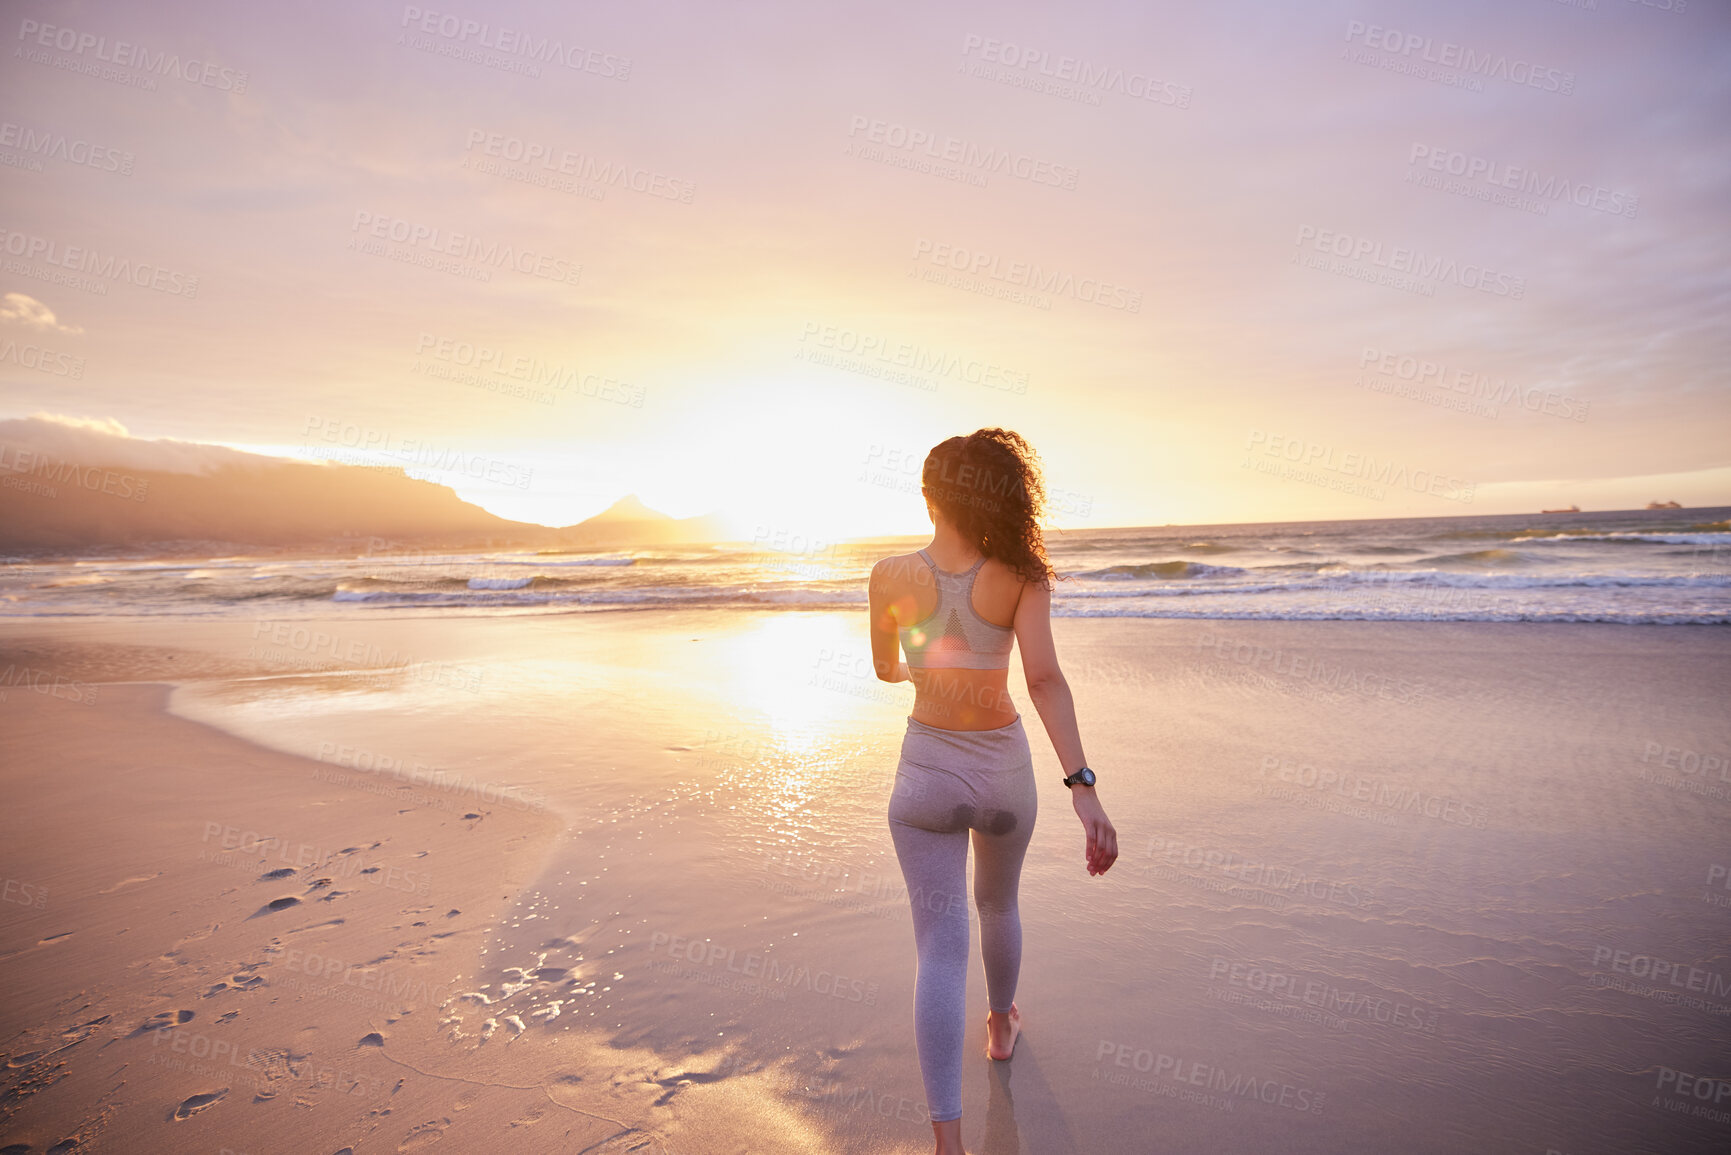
82 1031
236 983
276 904
162 1020
197 1103
193 937
375 1039
130 881
65 934
679 1080
424 1135
278 874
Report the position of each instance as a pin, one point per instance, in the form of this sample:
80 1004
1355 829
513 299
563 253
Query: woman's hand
1102 838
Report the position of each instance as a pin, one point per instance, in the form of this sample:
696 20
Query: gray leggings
948 783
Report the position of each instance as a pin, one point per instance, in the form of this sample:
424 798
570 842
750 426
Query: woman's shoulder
1003 573
900 567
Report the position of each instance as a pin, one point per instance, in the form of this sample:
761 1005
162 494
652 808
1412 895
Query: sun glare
803 674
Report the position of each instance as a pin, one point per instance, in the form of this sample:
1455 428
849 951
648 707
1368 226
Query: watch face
1087 777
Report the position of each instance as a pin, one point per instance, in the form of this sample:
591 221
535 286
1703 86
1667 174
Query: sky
1218 262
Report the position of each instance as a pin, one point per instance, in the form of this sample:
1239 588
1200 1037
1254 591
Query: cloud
26 310
106 442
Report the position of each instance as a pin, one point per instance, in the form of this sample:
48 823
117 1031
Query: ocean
1631 566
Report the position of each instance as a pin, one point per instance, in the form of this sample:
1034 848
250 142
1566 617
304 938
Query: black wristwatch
1082 777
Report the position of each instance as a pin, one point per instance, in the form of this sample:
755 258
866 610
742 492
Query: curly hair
988 485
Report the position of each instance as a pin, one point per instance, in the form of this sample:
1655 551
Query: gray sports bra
953 636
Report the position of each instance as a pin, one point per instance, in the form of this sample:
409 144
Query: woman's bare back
955 699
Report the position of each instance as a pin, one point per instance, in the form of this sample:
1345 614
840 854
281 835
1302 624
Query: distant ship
1571 509
1663 505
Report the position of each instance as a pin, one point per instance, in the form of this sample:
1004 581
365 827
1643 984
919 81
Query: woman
954 608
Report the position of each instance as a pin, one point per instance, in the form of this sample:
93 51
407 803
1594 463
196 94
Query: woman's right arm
885 640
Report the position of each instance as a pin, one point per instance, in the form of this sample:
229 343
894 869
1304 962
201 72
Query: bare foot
1002 1032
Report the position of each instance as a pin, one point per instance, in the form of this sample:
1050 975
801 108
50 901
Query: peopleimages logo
1232 1086
579 166
1664 972
1448 54
908 355
969 155
1412 262
438 241
14 459
351 444
42 360
1269 876
1024 274
1315 456
488 360
1084 76
771 971
41 143
1470 383
1499 175
29 247
1277 986
125 55
514 42
1395 796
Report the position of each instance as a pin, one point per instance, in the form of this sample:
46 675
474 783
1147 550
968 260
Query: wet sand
624 879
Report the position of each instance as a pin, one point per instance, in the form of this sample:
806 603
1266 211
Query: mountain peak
629 508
